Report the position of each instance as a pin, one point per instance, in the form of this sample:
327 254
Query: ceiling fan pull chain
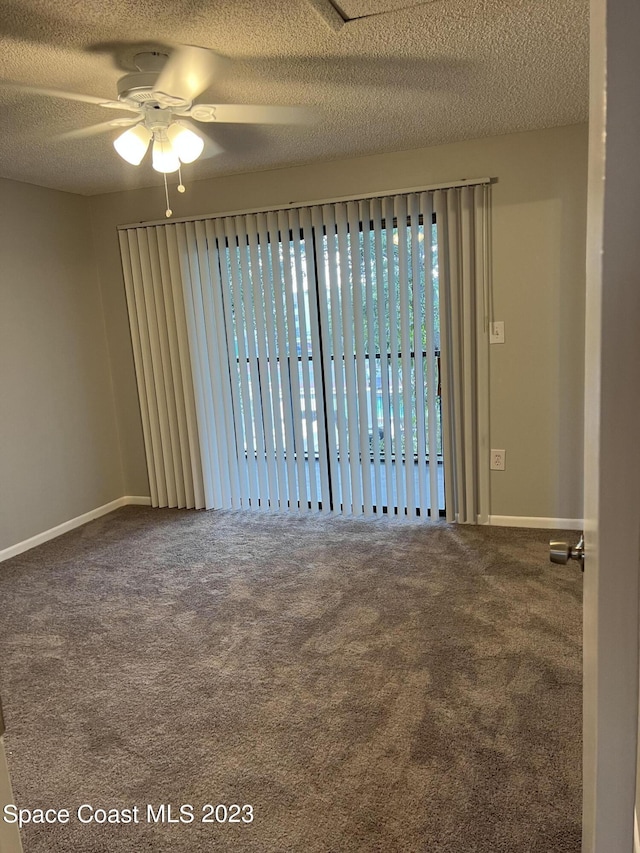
181 186
168 211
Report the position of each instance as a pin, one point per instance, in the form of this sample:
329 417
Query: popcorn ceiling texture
361 8
418 76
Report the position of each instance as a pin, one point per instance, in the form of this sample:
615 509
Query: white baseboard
135 500
536 521
46 535
142 500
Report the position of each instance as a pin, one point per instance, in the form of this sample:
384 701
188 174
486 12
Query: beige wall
59 454
539 209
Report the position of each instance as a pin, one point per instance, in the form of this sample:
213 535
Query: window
332 333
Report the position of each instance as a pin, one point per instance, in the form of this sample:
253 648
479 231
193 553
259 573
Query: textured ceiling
351 9
401 75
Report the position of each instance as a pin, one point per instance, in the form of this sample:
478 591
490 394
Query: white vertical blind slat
454 244
352 418
202 295
420 255
400 495
224 370
383 348
253 365
264 375
238 369
325 345
221 359
358 324
128 250
216 435
371 350
469 347
272 383
302 299
405 349
296 447
196 484
318 384
446 346
276 390
283 356
335 346
431 383
482 353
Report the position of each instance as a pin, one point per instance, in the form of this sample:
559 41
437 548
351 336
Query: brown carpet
365 685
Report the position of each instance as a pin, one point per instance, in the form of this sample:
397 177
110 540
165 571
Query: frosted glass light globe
187 144
164 156
133 143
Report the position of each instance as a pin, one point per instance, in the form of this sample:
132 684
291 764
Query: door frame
612 430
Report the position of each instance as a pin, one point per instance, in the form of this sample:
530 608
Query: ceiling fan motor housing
137 88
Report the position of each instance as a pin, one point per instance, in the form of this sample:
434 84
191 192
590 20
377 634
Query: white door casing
612 431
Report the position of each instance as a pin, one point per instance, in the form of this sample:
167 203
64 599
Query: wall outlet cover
498 460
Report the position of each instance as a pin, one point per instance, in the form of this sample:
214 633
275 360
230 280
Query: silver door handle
562 552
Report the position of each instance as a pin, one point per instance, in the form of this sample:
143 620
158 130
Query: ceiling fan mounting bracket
150 60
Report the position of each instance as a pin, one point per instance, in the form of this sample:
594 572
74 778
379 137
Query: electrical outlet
496 332
498 460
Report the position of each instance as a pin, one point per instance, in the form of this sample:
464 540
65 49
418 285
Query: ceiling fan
161 93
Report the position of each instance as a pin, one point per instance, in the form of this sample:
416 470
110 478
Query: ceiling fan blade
66 96
95 129
246 114
188 72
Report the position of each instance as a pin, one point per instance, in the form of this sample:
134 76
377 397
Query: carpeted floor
364 685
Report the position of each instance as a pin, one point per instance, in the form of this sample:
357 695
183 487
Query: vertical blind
161 350
290 359
463 262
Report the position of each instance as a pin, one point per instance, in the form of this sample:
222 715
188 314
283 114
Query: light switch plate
496 332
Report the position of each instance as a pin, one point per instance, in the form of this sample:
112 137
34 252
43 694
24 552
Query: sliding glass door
331 326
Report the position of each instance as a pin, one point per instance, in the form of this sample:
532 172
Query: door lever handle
562 552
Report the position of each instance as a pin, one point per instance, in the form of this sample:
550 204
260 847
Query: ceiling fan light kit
132 145
187 144
173 142
164 158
